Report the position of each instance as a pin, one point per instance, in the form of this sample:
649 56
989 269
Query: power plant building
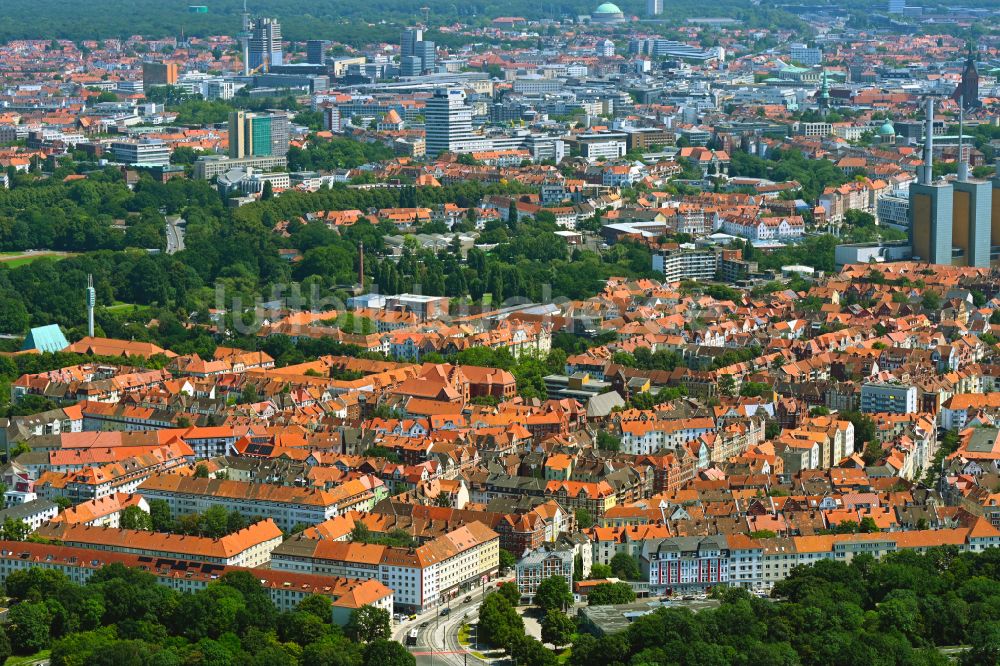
952 223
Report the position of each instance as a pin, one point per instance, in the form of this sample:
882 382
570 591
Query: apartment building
686 264
890 398
123 476
287 506
34 514
645 437
541 564
250 547
685 564
101 512
286 589
420 578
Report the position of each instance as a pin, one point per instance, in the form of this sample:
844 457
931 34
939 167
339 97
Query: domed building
607 13
887 133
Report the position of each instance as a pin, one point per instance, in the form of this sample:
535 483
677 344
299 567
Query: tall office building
258 134
331 119
654 7
995 222
159 74
448 123
408 41
897 6
264 47
410 66
316 51
427 53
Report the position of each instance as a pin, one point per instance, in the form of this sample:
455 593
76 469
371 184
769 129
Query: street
437 643
175 234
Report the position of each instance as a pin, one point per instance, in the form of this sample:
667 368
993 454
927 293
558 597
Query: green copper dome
887 129
608 8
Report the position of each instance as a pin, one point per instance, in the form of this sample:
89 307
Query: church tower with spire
824 96
967 92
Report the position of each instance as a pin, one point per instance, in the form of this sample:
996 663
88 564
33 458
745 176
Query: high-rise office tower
967 92
427 54
410 66
316 51
408 41
264 46
654 7
995 220
331 119
159 74
897 6
280 133
931 206
261 134
448 123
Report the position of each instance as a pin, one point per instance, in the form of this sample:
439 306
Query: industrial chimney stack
91 301
927 173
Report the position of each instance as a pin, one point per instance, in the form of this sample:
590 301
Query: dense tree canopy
892 611
124 616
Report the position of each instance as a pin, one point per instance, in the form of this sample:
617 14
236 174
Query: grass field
15 259
27 661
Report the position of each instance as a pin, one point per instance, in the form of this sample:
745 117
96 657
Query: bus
411 638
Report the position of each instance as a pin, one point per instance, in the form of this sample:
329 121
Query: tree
553 593
584 520
160 516
201 471
872 452
557 628
727 385
214 521
28 627
931 301
388 653
499 623
14 530
368 624
510 592
134 518
318 605
14 316
332 651
600 572
864 427
507 561
5 648
624 566
530 652
608 442
607 594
